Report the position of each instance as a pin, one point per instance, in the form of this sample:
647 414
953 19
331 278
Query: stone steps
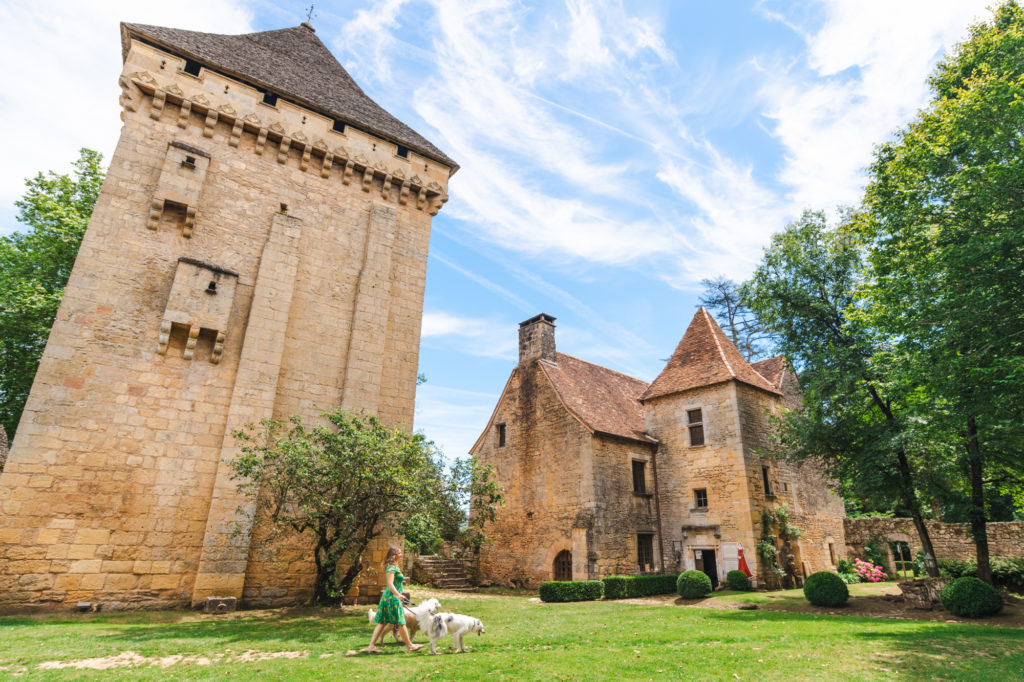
445 574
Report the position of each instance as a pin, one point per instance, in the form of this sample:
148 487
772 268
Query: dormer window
192 67
695 424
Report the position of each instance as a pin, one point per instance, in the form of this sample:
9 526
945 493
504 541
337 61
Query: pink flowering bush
868 572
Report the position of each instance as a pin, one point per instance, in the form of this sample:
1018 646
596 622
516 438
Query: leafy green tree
944 210
341 483
854 417
34 268
722 299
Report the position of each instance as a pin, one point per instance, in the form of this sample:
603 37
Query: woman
390 611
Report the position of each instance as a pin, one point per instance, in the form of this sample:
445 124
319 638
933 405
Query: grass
525 639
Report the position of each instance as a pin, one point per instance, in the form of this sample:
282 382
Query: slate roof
604 400
705 356
771 369
291 63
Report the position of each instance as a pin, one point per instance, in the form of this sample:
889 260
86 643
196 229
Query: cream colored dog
414 616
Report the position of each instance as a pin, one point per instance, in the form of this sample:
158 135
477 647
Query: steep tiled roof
604 400
771 369
293 64
704 356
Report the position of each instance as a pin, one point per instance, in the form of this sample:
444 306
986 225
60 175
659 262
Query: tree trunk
911 502
979 530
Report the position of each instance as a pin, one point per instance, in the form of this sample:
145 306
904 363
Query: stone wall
116 489
951 540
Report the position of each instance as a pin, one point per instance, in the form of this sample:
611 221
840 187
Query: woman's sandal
414 648
372 650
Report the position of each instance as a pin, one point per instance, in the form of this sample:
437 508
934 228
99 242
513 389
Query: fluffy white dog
415 616
454 624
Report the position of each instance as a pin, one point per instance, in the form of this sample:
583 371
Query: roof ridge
718 344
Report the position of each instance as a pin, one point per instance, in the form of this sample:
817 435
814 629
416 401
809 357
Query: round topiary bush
825 589
693 584
737 580
971 597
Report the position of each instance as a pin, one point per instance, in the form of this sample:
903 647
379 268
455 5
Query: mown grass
525 639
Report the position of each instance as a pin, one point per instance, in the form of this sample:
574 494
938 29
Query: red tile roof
771 369
704 356
604 400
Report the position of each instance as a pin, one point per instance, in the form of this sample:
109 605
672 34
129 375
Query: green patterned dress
390 609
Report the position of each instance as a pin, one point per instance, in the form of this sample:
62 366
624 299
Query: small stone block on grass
220 604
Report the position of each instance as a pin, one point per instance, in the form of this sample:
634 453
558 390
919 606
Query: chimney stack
537 339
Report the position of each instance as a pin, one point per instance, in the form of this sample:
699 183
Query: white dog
414 616
455 624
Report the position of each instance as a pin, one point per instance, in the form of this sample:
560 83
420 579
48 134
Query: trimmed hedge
737 580
971 597
627 586
693 584
826 589
571 590
1006 571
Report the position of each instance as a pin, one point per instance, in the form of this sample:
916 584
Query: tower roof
704 356
291 63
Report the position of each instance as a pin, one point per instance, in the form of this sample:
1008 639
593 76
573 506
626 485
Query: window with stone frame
645 551
501 435
767 483
700 498
695 424
639 477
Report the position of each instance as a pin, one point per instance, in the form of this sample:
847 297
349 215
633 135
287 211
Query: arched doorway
563 565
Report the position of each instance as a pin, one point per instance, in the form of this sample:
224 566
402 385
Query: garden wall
951 540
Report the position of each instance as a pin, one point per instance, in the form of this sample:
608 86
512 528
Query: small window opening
700 498
189 162
284 208
832 553
645 551
501 435
639 477
403 152
529 515
192 67
338 126
173 215
270 98
767 484
211 288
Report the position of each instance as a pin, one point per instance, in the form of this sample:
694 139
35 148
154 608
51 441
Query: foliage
693 584
629 586
571 590
1007 572
957 568
722 299
826 589
737 580
874 550
340 482
971 598
34 268
778 566
844 569
868 572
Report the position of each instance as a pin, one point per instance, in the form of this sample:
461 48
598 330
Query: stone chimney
537 339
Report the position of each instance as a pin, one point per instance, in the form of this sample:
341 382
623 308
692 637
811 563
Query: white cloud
484 337
60 61
452 418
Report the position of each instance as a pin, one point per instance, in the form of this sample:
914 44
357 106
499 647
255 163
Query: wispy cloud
485 337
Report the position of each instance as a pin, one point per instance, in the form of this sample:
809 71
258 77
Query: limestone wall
951 540
116 490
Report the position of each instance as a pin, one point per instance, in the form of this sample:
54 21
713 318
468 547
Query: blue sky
613 153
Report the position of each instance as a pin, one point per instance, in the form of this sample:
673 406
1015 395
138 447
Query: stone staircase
444 574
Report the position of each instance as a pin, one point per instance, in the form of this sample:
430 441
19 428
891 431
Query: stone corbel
127 98
282 151
190 345
236 133
190 222
306 151
218 348
156 208
184 113
398 177
386 189
421 199
439 201
325 169
164 338
367 179
159 99
261 139
346 177
211 120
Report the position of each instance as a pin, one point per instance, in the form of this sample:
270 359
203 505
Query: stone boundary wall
951 540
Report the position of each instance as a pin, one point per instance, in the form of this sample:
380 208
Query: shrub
737 580
825 589
571 590
971 597
626 586
1008 572
693 584
957 568
868 572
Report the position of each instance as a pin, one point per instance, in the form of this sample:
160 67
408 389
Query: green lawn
525 639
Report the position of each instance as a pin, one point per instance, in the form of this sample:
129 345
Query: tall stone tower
259 249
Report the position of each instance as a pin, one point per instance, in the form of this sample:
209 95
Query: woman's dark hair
392 553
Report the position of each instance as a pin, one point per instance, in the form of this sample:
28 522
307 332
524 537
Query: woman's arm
391 585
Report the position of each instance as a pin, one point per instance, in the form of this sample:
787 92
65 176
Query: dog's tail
370 614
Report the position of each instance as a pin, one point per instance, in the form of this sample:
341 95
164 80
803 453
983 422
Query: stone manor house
258 249
605 474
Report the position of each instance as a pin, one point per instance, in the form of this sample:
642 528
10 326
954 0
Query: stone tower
258 250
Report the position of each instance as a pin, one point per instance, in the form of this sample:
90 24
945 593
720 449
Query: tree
944 209
342 483
34 269
854 417
722 298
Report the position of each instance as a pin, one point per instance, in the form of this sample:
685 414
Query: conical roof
704 356
291 63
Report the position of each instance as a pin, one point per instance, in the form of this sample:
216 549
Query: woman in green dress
390 612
